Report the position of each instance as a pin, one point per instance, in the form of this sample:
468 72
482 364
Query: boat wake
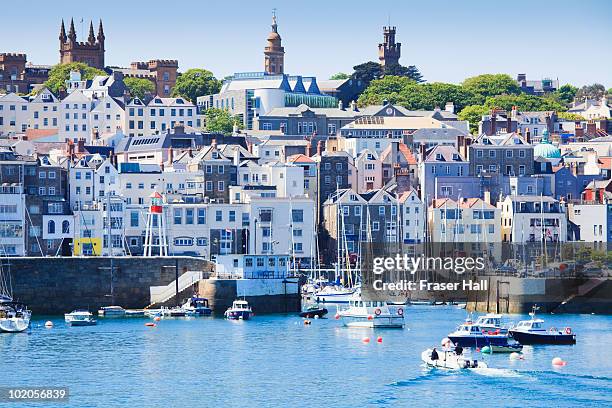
497 372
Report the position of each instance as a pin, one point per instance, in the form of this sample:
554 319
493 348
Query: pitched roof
299 158
444 153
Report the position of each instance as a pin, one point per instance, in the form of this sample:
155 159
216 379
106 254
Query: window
221 186
522 154
265 232
51 227
51 175
189 216
209 186
202 241
65 227
178 216
218 215
51 191
297 215
509 153
358 210
375 226
297 247
134 219
232 216
381 210
201 215
297 232
265 215
183 241
492 153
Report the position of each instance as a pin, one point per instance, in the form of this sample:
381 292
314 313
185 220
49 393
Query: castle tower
389 51
274 52
90 52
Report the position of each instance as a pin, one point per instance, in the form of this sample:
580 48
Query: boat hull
82 323
543 338
238 315
368 322
480 341
14 325
312 313
450 361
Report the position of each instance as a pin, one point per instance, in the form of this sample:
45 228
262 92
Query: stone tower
90 52
274 52
389 51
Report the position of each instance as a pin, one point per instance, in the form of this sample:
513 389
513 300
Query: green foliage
196 82
60 73
473 114
408 93
139 87
411 72
340 75
565 94
368 72
221 121
523 102
486 85
593 91
569 116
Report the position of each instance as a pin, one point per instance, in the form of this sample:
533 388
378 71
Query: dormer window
215 155
438 156
455 156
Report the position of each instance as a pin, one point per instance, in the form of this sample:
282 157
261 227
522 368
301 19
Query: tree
411 72
340 75
196 82
408 93
524 102
593 91
473 114
139 87
486 85
60 73
221 121
565 94
368 72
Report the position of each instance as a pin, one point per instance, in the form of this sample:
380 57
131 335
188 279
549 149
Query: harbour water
277 361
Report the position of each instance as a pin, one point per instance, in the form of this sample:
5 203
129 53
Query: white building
74 117
107 116
12 220
591 219
467 220
532 219
288 179
44 110
14 114
369 172
160 115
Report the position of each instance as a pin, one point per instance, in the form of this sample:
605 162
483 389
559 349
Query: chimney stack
81 145
213 143
528 135
579 130
237 157
308 147
422 151
319 147
493 122
340 105
591 128
450 107
354 106
170 155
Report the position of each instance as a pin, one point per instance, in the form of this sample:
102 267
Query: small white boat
134 313
335 294
197 306
492 322
14 317
173 312
240 310
111 311
449 360
80 318
371 314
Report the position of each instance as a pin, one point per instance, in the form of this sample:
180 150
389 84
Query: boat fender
568 330
552 329
370 317
49 324
377 312
400 311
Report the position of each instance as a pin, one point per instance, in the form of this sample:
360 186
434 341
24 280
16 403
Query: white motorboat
449 360
197 306
173 312
14 317
80 318
111 311
134 312
240 310
371 314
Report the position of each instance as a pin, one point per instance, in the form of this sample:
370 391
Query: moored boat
469 334
197 306
80 318
111 311
492 322
532 331
14 317
511 347
240 310
313 310
371 314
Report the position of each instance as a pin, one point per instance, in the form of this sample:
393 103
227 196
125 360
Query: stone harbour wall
59 285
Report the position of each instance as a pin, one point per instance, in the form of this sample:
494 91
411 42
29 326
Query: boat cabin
531 325
367 304
240 305
490 320
469 329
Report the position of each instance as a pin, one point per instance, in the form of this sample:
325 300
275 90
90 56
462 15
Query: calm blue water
276 361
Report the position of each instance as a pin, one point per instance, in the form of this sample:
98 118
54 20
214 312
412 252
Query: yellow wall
95 242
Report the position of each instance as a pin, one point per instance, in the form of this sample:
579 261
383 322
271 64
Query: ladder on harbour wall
502 299
161 294
582 290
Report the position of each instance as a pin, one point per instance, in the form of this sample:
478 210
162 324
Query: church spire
72 32
91 38
274 25
101 32
274 52
62 36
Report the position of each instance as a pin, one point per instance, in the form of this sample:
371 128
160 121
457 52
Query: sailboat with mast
14 316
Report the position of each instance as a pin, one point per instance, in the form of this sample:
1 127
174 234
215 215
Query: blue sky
447 40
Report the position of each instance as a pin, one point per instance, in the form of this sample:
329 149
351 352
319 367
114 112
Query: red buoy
337 316
366 339
150 324
379 339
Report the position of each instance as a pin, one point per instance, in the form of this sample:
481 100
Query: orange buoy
558 362
49 324
379 339
366 339
370 317
150 324
307 322
157 318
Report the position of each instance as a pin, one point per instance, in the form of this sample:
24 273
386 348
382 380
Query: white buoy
515 356
557 361
49 324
